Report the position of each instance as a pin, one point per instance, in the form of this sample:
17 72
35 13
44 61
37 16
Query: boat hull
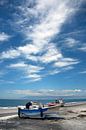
31 113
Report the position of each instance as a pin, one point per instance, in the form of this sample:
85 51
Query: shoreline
7 112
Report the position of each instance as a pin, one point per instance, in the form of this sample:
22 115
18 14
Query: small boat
32 113
52 104
58 103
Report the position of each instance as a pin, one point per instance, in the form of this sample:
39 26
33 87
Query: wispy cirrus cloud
71 42
66 62
82 48
4 37
10 54
18 65
40 22
26 92
49 92
30 71
52 54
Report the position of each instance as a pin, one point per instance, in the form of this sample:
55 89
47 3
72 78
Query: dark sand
74 119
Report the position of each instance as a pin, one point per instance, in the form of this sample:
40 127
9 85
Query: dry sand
74 119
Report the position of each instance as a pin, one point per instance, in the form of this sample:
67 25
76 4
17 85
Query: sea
22 102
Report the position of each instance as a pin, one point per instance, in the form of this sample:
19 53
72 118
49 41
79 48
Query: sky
42 48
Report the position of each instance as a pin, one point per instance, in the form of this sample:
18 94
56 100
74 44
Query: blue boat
33 113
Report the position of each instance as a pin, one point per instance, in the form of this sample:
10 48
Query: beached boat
39 112
57 103
52 104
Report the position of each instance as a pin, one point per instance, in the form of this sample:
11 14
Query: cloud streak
66 62
82 48
49 92
30 71
70 42
4 37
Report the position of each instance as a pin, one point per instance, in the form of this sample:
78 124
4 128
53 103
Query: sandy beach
69 118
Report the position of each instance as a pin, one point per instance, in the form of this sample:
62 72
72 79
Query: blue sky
42 48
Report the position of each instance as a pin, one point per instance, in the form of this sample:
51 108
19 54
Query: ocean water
19 102
22 102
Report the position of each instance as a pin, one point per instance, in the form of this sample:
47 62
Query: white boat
39 112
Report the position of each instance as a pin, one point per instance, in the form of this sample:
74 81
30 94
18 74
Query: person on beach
56 101
61 102
28 105
40 108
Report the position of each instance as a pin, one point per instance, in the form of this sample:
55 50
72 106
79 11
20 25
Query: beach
72 117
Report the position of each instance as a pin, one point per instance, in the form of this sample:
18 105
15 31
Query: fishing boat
52 104
56 103
32 113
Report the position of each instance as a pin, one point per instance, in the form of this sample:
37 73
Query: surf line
8 117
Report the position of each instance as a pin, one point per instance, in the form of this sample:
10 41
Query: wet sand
8 111
74 118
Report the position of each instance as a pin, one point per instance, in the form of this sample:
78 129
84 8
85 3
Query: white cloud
49 92
50 23
18 65
66 62
30 71
20 51
53 72
70 42
26 92
45 29
32 57
73 90
68 68
48 18
4 37
52 54
29 49
82 48
33 69
10 54
34 77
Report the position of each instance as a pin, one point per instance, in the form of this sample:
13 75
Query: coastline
74 117
7 112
